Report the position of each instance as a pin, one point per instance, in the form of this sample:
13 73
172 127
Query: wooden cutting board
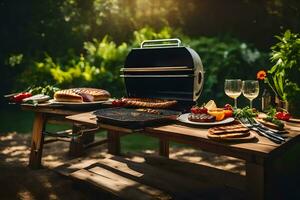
294 120
269 124
248 138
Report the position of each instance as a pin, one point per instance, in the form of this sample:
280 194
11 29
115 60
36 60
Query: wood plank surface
182 133
134 178
83 118
49 109
198 136
155 176
205 173
118 185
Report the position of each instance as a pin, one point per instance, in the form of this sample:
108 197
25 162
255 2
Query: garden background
72 43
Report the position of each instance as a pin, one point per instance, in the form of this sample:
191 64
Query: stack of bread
80 95
233 132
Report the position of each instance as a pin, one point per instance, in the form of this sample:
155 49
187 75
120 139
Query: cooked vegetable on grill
148 103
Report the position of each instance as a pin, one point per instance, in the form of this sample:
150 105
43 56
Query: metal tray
134 118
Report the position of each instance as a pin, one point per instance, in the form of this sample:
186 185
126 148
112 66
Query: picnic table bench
258 155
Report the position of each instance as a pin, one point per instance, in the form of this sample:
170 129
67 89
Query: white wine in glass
250 90
233 89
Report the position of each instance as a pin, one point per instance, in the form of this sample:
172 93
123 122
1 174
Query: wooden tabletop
197 136
50 109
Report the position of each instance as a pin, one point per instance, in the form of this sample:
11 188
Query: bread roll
81 94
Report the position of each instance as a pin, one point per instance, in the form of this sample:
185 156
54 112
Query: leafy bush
285 72
101 61
225 58
99 66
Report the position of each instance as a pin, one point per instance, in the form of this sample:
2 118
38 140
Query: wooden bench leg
37 141
255 181
113 144
164 147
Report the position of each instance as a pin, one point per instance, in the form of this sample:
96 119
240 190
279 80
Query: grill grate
135 118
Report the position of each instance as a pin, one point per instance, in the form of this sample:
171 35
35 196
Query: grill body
164 69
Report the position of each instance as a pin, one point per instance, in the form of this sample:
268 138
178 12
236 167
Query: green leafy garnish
47 90
275 121
244 113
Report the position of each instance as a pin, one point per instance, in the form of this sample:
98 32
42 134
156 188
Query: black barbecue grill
159 69
164 69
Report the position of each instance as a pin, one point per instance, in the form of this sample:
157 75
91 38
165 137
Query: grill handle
161 43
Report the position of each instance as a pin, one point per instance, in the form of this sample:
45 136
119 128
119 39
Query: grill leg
88 138
113 144
37 141
76 145
164 147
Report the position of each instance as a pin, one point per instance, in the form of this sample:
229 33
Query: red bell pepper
19 97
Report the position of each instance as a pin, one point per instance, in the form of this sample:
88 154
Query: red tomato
279 115
203 110
228 113
195 110
228 107
286 116
198 110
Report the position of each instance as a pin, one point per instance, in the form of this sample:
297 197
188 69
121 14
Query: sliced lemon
211 105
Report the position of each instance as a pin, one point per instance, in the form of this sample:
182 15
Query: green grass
13 119
137 142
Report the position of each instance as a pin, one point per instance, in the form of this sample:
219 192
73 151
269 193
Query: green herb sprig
245 112
47 90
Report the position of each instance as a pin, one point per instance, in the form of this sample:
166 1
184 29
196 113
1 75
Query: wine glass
233 89
250 90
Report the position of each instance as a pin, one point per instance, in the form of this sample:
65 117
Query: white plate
52 101
184 118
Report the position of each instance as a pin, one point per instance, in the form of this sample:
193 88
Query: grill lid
163 69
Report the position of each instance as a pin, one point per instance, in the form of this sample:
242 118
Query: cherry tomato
195 110
19 97
228 107
286 116
279 115
228 113
198 110
117 103
203 110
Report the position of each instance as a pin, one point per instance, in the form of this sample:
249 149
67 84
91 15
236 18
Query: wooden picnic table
258 155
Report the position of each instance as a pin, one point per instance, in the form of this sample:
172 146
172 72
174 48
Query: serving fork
268 134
